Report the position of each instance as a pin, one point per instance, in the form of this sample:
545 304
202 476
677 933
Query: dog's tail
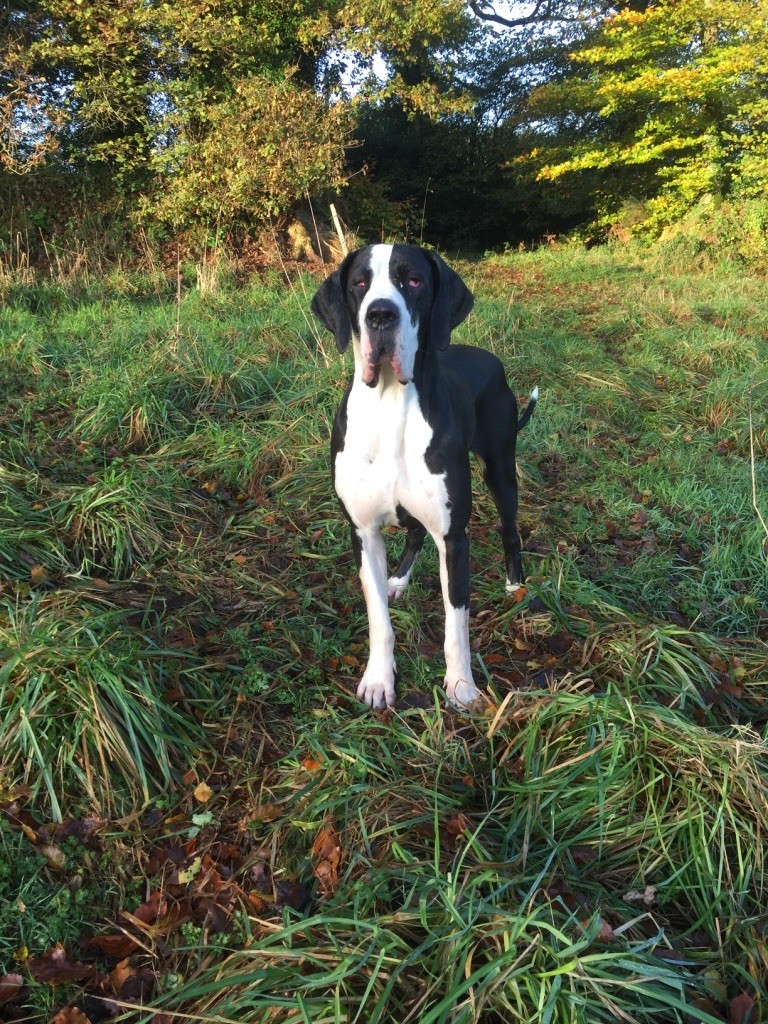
529 409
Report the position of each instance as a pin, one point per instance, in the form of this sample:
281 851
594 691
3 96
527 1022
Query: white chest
381 467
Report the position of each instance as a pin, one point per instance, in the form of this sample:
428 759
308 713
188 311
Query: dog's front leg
377 687
460 687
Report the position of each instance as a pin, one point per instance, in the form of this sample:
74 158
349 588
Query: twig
339 232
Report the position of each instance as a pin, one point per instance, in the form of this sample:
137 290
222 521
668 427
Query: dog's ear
453 302
330 305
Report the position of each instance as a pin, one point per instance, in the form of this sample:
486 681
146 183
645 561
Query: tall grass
179 602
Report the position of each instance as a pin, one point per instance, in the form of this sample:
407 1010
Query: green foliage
252 155
671 102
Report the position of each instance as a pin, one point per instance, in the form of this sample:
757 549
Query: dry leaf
326 858
203 792
70 1015
742 1009
54 856
266 812
37 575
647 896
115 944
54 967
10 986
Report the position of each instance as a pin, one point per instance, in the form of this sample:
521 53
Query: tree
669 104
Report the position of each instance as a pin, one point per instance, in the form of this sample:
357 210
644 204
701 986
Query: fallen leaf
54 967
457 826
203 792
120 974
70 1015
115 944
54 856
191 872
82 830
37 575
326 857
265 812
10 986
741 1009
291 894
147 912
647 896
310 764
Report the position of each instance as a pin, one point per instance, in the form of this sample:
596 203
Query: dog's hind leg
502 483
398 581
495 447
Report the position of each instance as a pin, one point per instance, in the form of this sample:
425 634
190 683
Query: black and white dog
402 436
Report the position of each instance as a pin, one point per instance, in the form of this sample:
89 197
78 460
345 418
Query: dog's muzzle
382 338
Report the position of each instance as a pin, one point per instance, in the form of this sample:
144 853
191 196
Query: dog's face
392 300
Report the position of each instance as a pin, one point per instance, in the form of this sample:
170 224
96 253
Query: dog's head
393 300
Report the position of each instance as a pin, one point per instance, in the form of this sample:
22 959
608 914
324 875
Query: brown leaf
741 1009
291 894
82 830
120 974
10 987
70 1015
265 812
310 764
147 912
37 575
326 857
639 518
115 944
494 659
54 856
457 826
203 792
54 967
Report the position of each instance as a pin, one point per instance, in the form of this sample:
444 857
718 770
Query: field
199 820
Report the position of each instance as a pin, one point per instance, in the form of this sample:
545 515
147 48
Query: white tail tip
535 394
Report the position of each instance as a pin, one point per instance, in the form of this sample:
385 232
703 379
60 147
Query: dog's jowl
412 413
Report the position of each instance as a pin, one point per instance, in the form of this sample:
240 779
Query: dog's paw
460 692
513 588
396 587
377 688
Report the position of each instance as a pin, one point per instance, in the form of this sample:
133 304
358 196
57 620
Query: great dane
400 445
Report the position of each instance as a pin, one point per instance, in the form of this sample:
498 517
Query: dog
401 439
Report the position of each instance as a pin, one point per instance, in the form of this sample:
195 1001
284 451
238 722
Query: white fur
380 467
383 287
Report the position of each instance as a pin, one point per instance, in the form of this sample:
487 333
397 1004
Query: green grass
179 606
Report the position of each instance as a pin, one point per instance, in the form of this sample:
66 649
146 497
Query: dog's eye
360 283
414 282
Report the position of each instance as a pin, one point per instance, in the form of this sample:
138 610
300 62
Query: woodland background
126 126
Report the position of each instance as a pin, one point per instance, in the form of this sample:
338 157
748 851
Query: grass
182 633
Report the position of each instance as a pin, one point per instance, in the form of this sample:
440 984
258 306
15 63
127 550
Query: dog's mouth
376 354
372 371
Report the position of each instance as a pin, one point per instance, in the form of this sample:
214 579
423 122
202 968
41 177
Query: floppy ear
453 301
330 305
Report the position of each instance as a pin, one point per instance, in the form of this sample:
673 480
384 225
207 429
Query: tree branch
543 11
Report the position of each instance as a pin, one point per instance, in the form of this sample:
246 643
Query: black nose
381 315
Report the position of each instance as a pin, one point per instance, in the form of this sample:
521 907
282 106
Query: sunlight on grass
180 607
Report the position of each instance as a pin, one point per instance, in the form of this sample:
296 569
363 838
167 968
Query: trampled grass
180 608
